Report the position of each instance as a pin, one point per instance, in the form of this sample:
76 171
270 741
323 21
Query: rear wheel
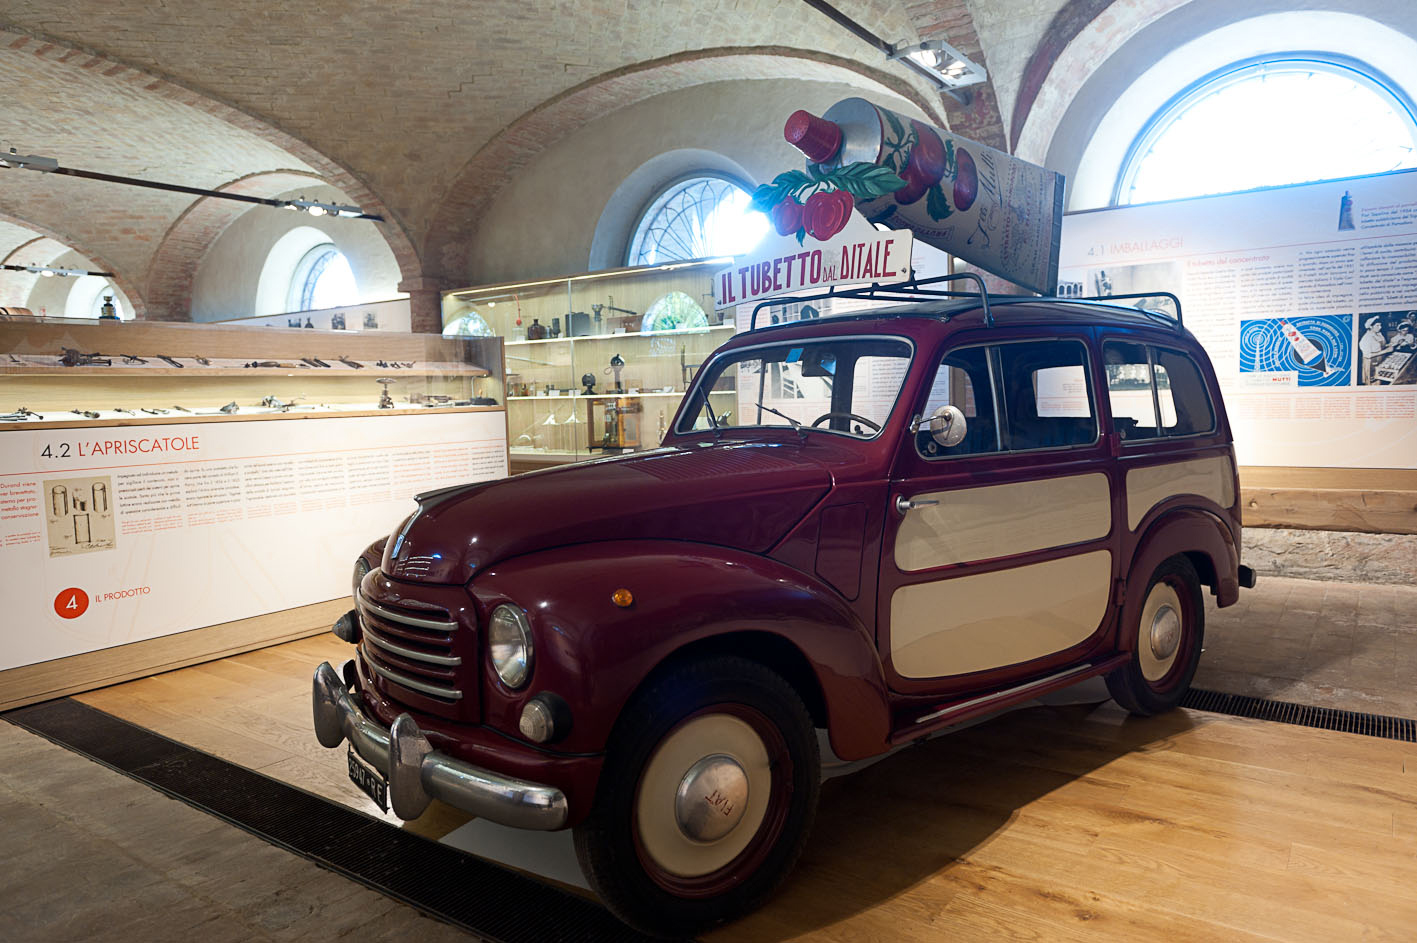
709 788
1166 642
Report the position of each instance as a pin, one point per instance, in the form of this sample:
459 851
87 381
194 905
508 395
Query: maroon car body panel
765 540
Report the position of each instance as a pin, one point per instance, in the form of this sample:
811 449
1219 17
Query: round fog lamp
509 643
537 723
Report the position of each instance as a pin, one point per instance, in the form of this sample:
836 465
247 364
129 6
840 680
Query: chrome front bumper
418 774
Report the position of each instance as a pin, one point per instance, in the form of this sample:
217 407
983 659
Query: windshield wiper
713 420
797 426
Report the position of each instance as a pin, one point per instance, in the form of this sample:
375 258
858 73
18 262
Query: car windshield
842 385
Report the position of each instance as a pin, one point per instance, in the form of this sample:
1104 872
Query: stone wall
1332 555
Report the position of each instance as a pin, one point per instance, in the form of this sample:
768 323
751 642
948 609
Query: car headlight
361 568
509 642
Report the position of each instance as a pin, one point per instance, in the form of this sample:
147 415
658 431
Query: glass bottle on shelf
537 330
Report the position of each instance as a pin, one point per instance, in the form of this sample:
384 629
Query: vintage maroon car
918 516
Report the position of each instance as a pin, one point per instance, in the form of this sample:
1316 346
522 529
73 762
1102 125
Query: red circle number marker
71 603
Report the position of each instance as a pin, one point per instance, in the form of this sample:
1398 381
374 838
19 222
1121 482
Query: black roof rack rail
1159 315
904 291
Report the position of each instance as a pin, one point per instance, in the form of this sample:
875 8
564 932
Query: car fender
596 654
1199 534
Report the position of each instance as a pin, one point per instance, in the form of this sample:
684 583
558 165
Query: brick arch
1067 24
951 20
517 145
330 171
185 244
124 280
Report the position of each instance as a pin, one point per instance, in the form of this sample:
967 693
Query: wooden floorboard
1049 824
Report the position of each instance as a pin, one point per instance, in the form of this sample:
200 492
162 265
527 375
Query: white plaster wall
226 280
544 223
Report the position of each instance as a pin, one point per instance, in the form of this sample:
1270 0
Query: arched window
322 279
697 218
1268 123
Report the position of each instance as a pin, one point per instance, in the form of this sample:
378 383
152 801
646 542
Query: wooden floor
1046 824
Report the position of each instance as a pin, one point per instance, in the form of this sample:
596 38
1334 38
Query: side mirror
947 426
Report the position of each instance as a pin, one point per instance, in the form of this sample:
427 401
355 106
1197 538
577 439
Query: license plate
369 779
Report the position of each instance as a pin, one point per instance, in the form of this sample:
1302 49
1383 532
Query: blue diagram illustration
1319 348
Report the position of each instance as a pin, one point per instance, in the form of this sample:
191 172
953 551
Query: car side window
1181 390
1129 391
963 380
1047 397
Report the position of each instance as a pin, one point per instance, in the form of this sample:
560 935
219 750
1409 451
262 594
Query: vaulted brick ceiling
416 109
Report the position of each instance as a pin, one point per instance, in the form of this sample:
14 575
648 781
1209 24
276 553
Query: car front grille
415 647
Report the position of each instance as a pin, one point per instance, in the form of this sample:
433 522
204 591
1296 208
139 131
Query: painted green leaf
937 204
950 169
896 127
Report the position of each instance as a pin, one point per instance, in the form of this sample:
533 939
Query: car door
998 558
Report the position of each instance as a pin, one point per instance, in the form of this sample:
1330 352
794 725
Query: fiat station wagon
916 516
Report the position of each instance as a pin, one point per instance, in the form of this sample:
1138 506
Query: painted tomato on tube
787 217
826 214
924 167
966 187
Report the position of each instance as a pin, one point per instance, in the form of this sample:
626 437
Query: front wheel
1166 642
709 788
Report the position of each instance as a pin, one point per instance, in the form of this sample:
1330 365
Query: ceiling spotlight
27 161
12 158
323 209
952 68
49 271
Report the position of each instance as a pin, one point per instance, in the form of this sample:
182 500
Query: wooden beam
1365 500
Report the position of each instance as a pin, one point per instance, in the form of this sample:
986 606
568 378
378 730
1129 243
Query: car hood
745 495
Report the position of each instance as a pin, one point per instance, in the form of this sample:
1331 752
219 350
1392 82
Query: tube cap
817 138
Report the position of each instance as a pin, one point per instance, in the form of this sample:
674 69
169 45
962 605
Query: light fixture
323 209
49 271
951 67
17 161
28 162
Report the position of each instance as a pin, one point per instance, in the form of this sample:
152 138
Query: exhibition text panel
1304 298
115 535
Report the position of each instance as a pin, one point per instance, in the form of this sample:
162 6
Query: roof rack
1159 315
904 291
915 288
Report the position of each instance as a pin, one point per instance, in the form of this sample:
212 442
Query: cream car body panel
1002 520
1211 478
988 620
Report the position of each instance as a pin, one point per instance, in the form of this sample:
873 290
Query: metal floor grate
1324 718
490 901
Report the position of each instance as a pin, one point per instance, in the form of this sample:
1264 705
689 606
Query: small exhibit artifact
588 381
230 408
170 361
156 412
350 363
133 358
77 358
86 413
385 400
617 364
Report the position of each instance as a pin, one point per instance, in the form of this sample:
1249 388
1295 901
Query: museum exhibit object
613 377
132 449
894 522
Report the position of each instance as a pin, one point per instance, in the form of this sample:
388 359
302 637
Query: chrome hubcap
1165 634
711 799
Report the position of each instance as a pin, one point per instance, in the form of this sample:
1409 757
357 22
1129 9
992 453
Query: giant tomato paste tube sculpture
977 203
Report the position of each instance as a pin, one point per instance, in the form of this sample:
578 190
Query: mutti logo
719 802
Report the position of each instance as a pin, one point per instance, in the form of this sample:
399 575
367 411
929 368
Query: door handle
903 504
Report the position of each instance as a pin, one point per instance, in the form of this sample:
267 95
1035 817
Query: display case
174 492
79 372
596 363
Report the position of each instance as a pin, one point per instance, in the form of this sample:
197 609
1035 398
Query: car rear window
1142 380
